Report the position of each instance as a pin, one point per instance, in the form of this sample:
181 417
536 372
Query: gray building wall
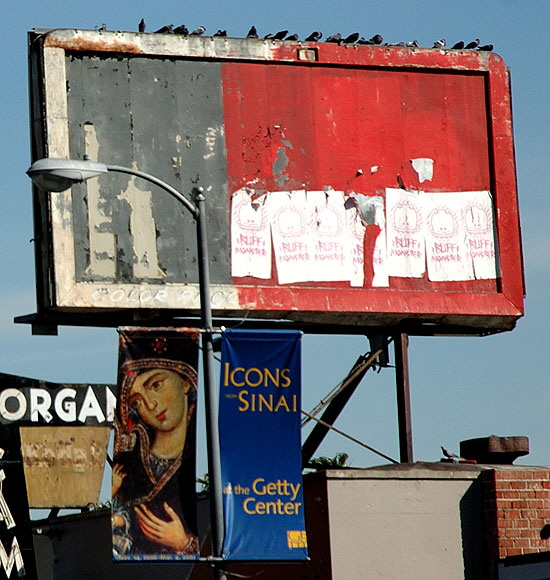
407 522
419 521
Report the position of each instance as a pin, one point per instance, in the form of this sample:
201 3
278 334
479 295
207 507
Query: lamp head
51 174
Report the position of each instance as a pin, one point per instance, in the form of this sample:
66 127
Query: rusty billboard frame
62 299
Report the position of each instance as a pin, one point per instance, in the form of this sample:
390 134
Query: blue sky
460 387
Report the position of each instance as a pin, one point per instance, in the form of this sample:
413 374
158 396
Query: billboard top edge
215 47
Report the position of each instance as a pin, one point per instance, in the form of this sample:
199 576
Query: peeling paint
279 166
102 241
424 167
143 230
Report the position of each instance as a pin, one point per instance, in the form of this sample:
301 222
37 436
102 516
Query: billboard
346 185
61 433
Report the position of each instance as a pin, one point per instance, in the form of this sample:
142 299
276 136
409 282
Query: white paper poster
356 233
371 212
250 236
447 250
292 235
332 259
478 221
379 257
319 236
405 234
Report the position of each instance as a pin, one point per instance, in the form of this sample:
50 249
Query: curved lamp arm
53 174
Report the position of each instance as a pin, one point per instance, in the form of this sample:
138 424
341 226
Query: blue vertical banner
260 443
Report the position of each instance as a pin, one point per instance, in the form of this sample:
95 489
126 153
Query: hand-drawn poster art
331 254
405 234
447 252
319 236
356 239
292 235
250 235
153 482
480 233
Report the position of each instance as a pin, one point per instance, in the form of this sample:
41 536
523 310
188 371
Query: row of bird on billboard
319 235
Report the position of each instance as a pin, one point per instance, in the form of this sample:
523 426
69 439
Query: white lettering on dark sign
7 561
65 405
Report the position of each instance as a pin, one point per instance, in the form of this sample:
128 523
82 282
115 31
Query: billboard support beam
337 404
401 343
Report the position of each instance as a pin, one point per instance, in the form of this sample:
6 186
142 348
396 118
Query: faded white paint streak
102 243
142 228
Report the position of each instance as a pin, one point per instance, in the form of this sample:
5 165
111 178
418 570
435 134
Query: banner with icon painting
153 482
260 444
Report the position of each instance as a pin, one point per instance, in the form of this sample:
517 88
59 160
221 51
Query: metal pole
401 342
212 429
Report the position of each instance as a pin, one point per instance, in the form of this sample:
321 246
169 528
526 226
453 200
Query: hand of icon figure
171 534
117 478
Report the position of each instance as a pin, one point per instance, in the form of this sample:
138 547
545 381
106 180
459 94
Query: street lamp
51 174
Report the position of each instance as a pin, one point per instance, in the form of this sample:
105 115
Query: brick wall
517 507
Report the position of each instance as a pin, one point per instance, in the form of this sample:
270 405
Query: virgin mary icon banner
260 444
153 482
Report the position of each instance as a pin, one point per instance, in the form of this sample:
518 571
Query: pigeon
103 27
485 48
141 25
181 29
198 31
449 454
334 38
412 44
314 36
376 39
220 33
280 35
293 36
168 29
473 44
441 43
354 37
252 33
458 45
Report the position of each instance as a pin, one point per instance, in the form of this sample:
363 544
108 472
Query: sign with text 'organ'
346 185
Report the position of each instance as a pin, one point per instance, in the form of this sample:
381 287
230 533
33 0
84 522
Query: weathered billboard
346 185
61 432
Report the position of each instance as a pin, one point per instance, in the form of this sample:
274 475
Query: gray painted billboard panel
163 116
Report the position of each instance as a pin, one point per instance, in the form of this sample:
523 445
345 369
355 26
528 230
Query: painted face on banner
160 398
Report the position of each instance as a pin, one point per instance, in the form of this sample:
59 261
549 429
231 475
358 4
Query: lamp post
52 174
